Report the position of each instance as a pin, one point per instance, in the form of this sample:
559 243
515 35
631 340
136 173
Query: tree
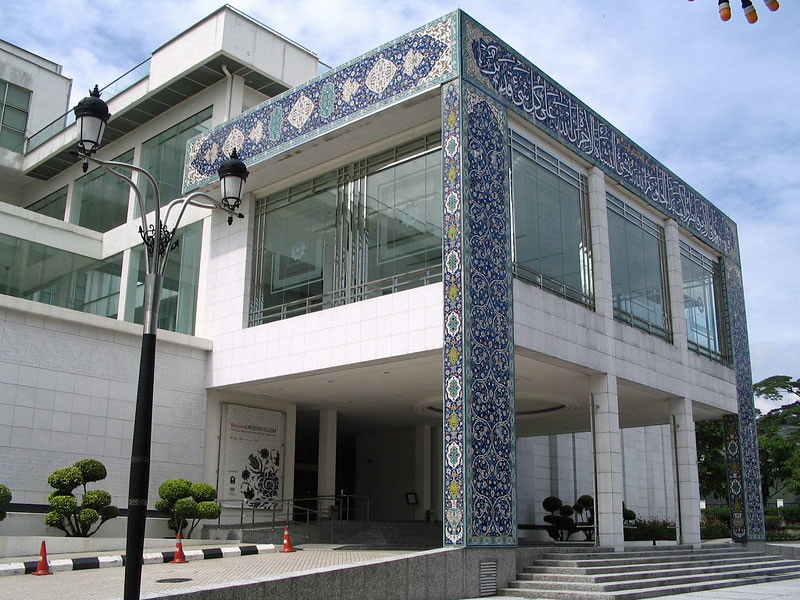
773 388
711 469
95 507
187 503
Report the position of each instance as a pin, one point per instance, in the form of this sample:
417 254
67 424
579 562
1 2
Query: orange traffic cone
180 557
287 541
43 567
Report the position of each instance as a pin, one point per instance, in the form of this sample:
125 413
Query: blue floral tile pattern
453 341
488 340
491 64
748 436
420 60
733 462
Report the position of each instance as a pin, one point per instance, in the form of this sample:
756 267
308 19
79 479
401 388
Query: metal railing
299 511
340 297
60 123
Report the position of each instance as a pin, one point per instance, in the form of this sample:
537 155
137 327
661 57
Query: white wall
68 385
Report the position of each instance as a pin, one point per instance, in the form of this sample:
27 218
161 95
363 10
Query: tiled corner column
741 437
603 387
478 403
608 457
687 480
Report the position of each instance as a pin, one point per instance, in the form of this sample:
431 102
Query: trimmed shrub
651 529
773 522
187 504
552 503
95 508
5 500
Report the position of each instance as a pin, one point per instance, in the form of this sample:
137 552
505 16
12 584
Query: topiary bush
95 509
187 504
584 510
561 523
5 500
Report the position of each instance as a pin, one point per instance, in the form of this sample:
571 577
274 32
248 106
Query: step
655 580
635 568
628 575
649 553
624 560
636 594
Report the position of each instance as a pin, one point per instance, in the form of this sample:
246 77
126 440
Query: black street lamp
91 115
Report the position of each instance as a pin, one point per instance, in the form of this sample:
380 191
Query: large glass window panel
163 157
551 232
100 200
179 290
14 105
52 276
702 293
369 228
638 269
52 205
404 219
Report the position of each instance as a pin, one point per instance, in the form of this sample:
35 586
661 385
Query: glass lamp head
91 115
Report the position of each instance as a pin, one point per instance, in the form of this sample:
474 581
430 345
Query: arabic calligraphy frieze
491 64
418 61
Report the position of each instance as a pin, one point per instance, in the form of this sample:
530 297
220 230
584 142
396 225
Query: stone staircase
602 574
395 535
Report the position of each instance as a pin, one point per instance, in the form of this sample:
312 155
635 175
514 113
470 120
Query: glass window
163 157
370 228
702 294
100 200
552 247
14 105
179 290
638 269
52 276
52 205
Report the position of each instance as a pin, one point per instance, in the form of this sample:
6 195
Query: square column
326 463
608 457
687 486
478 375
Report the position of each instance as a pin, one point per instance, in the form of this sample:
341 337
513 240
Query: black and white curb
118 560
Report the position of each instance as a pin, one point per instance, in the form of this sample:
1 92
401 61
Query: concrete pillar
687 488
608 456
601 252
326 473
422 470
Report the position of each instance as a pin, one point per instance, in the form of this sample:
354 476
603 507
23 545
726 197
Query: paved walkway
160 580
107 583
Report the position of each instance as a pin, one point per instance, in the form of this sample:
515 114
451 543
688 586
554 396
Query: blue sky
715 102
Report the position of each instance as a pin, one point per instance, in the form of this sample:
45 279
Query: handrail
340 508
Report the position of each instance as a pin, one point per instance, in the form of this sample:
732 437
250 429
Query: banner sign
253 450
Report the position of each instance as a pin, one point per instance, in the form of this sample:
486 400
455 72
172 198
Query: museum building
456 291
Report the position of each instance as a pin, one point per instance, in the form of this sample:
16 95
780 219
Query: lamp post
158 237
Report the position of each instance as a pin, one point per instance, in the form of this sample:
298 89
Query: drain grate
173 580
488 578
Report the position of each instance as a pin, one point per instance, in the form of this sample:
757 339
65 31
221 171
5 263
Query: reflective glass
638 269
100 200
551 245
163 157
404 218
14 102
52 276
701 290
52 205
370 228
179 292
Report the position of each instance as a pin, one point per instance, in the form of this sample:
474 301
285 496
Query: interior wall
385 473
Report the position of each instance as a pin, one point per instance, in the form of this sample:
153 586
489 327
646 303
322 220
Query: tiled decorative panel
748 436
733 462
490 434
420 60
494 66
453 342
